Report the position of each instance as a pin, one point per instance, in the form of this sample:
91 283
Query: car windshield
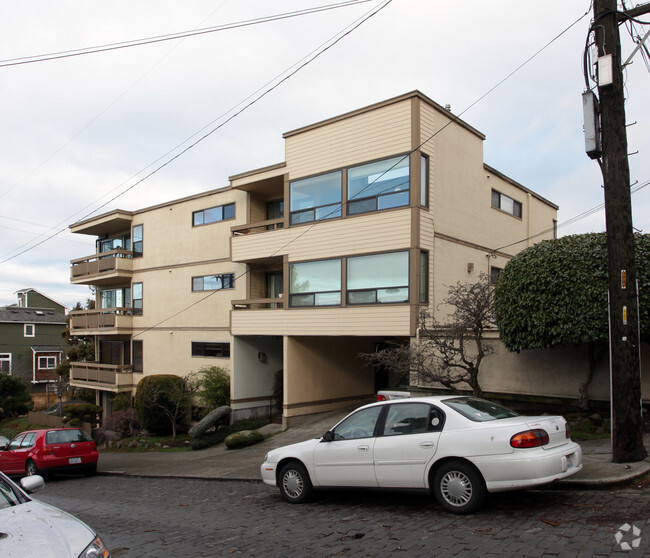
479 410
8 497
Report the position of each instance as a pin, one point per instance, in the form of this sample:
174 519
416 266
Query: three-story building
292 271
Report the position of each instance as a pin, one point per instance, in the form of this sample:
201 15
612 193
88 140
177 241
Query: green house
31 344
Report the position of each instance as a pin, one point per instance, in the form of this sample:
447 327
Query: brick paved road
142 517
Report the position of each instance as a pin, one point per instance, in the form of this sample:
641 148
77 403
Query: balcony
106 377
101 322
258 304
105 269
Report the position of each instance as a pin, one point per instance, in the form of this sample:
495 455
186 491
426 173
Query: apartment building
290 272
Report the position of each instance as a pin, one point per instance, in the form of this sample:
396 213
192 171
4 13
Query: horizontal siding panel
362 321
381 231
361 138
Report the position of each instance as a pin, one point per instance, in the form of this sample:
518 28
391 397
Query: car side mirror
328 436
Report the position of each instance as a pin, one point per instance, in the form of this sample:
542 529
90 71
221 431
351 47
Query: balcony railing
103 319
260 226
258 304
105 267
109 377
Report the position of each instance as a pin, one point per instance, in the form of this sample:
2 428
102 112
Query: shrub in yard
219 435
77 413
210 421
243 439
122 401
160 401
212 387
15 397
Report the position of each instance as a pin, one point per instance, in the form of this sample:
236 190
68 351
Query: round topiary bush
243 439
158 398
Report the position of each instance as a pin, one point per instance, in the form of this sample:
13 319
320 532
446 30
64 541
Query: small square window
29 330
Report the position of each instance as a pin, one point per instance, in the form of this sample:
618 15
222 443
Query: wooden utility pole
627 423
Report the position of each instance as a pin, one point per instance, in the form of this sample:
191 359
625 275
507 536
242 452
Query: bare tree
448 353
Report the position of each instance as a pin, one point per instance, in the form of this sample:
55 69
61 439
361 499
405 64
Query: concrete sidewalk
244 464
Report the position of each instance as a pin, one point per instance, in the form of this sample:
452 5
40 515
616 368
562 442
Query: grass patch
583 428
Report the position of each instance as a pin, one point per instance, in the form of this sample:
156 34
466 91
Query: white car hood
38 530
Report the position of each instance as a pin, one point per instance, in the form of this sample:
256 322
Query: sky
132 127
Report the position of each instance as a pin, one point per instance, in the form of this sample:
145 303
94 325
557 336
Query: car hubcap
456 488
292 483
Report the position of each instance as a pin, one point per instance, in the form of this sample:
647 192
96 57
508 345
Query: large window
379 185
137 234
315 198
380 278
213 282
315 283
505 203
118 243
208 349
116 298
213 214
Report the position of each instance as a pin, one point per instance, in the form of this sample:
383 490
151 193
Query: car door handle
426 445
363 448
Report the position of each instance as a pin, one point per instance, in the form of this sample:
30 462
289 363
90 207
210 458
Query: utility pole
627 423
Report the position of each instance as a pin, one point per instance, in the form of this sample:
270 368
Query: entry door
348 460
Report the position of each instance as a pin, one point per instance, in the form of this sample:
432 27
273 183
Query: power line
255 97
173 36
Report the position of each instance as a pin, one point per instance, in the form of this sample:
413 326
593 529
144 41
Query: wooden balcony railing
104 318
104 264
260 226
258 304
110 377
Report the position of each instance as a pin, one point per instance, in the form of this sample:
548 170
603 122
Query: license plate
74 460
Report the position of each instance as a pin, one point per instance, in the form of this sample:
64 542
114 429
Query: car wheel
31 468
295 485
459 488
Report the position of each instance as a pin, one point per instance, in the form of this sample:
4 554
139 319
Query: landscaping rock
212 419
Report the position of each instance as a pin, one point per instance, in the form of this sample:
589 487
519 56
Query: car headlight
95 549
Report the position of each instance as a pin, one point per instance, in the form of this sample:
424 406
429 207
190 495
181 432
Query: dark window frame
201 214
211 349
497 203
227 282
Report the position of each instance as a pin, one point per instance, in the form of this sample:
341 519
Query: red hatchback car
45 452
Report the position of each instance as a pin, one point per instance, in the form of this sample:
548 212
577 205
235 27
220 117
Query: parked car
399 390
31 528
458 448
50 451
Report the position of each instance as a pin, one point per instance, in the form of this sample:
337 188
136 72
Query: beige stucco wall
323 374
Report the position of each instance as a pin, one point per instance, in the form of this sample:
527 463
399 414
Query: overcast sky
78 133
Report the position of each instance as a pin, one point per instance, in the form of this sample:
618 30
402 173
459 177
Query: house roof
18 314
46 348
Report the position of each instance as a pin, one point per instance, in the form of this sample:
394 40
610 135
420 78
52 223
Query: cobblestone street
144 517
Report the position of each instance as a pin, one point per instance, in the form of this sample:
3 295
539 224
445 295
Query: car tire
459 488
295 484
31 468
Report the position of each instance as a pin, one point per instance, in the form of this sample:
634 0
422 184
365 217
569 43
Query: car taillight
567 430
529 439
381 397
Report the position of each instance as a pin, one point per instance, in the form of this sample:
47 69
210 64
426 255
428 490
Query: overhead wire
173 36
247 103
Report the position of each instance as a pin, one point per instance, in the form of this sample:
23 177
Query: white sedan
31 528
459 448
